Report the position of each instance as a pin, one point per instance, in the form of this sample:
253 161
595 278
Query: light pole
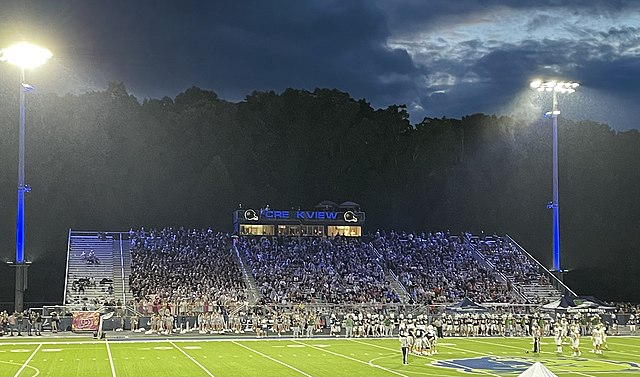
555 87
25 56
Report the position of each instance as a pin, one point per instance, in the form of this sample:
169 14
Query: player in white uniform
574 334
557 336
596 337
432 338
632 324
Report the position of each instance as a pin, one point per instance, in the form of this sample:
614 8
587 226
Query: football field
30 357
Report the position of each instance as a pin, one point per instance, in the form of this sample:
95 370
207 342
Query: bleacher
95 269
525 274
436 269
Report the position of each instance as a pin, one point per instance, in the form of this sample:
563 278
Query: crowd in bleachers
438 268
305 269
184 270
193 271
507 258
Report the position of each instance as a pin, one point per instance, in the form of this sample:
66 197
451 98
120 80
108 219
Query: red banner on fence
85 321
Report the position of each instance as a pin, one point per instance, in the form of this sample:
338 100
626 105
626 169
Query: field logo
515 365
492 363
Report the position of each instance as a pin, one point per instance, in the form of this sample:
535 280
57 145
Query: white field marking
28 366
52 350
27 362
623 344
192 359
113 369
20 351
272 359
437 373
452 363
551 353
356 360
295 346
190 340
162 348
192 347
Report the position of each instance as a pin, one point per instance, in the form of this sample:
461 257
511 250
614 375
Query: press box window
301 230
256 230
343 230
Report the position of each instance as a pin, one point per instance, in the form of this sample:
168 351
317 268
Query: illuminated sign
348 216
300 215
251 215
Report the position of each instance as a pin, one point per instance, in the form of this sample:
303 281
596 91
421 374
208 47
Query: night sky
439 57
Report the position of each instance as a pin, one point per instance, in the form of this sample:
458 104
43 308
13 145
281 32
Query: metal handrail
547 272
124 297
66 280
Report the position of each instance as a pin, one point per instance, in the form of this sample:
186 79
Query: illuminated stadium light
555 87
25 56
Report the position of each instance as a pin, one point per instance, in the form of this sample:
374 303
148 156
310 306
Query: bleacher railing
494 270
553 279
66 276
124 295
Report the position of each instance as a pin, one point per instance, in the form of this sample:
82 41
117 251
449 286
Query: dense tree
104 160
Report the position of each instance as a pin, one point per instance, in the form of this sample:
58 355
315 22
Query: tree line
107 161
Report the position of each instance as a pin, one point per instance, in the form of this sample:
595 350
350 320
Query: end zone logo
492 363
513 366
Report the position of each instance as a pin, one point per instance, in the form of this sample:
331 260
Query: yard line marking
113 369
272 359
352 359
192 359
449 362
28 366
27 362
622 344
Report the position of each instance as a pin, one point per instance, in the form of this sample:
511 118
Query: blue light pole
24 56
555 87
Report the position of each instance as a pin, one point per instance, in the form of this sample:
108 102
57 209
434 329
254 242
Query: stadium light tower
25 56
555 87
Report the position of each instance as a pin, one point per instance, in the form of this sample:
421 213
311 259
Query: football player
574 334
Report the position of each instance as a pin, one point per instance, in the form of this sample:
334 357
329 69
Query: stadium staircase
392 278
552 291
253 293
111 269
528 292
498 275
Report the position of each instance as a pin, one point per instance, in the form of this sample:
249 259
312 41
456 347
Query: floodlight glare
25 55
555 87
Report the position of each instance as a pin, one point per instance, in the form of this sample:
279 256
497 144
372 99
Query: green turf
30 357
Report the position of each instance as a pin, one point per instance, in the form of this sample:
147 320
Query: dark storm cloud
439 57
162 47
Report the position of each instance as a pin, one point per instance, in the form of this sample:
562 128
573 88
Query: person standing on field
404 344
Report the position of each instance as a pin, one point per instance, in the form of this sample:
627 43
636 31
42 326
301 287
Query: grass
30 357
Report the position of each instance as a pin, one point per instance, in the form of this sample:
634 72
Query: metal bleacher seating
95 271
